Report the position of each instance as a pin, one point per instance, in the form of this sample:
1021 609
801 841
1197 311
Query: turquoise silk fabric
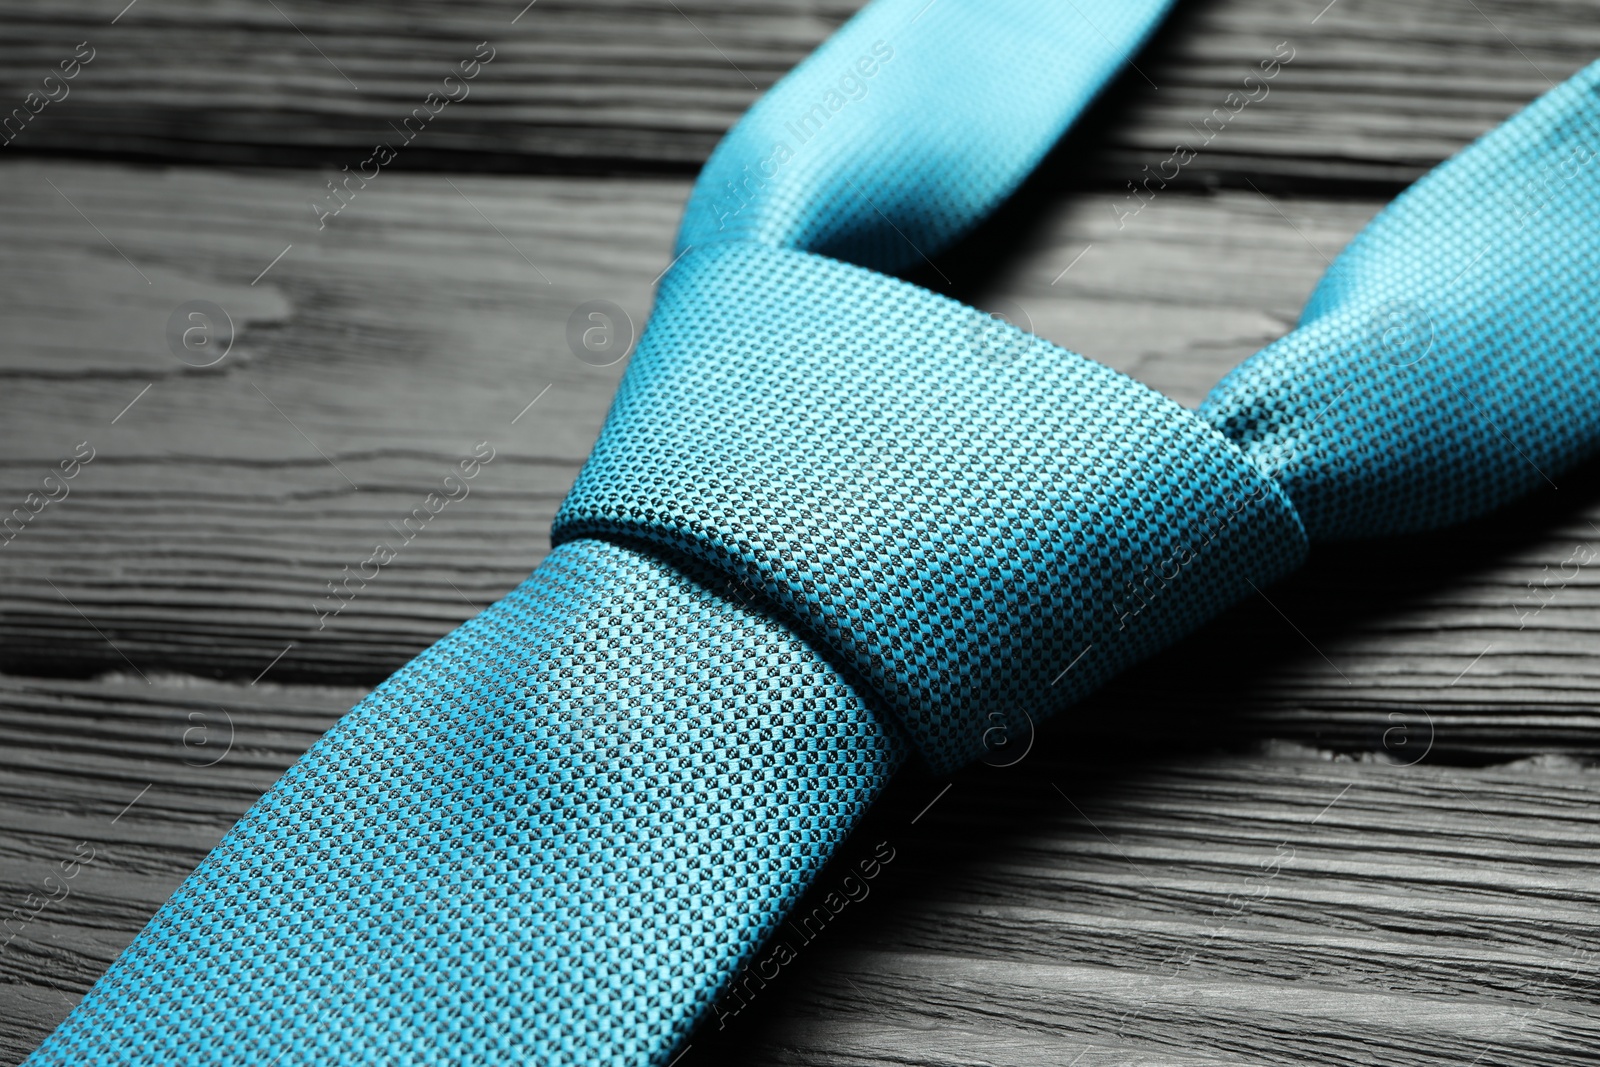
835 522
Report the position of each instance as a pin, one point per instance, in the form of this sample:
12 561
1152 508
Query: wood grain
1278 908
591 85
1376 93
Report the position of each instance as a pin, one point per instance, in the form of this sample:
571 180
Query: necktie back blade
910 125
1449 361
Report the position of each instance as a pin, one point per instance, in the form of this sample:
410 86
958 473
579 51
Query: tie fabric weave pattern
835 520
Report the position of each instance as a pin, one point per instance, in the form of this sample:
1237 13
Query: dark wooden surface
1354 825
651 84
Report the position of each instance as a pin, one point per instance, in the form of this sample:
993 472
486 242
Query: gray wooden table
1354 824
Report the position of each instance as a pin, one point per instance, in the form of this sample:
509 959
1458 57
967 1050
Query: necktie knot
953 510
967 518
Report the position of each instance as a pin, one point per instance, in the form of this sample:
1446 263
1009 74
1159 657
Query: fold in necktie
834 519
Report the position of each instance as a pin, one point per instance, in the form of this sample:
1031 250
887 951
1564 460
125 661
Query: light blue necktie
834 519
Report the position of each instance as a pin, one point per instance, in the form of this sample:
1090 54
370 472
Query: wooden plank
633 83
1283 908
369 361
1375 93
1166 905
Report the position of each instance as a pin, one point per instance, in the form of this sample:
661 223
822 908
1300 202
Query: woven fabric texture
910 125
1449 361
546 840
984 526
